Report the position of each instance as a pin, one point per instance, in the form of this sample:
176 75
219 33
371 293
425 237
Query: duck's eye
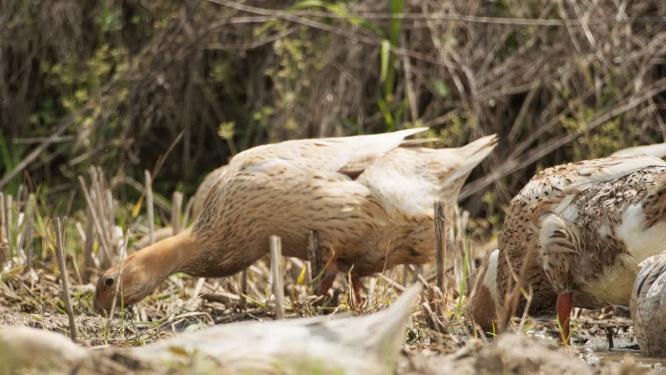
108 281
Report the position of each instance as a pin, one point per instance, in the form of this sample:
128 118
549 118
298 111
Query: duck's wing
657 150
347 155
555 187
409 180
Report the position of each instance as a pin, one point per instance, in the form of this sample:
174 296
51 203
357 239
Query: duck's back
369 199
619 224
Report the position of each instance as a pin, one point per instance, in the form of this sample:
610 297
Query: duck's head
142 272
483 302
130 280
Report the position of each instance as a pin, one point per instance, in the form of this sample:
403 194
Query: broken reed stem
149 207
176 209
26 236
276 275
440 244
314 256
63 276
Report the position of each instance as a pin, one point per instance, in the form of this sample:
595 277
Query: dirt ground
602 343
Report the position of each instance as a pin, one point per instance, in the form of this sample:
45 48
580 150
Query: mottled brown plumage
590 223
369 199
648 306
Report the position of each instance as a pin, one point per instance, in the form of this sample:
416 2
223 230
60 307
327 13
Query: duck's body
589 225
369 199
367 344
648 305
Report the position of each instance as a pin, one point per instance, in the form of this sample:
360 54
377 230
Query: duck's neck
167 256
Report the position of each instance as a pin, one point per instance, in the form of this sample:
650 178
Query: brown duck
588 225
648 306
369 199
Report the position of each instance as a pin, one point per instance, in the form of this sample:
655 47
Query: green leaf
384 59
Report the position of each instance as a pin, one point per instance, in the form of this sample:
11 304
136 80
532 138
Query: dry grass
34 297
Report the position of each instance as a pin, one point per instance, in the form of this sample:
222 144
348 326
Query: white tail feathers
657 150
471 155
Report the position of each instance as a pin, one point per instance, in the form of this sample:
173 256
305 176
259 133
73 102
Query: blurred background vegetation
132 84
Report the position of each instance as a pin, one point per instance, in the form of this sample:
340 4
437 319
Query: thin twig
440 244
150 207
443 17
243 289
119 279
36 152
4 250
63 276
9 225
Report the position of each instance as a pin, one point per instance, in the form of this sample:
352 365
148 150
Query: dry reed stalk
26 236
416 272
111 209
432 318
314 257
100 200
511 300
9 217
60 251
114 301
88 261
243 289
397 286
197 288
149 207
440 244
523 318
276 275
96 220
176 210
467 259
4 250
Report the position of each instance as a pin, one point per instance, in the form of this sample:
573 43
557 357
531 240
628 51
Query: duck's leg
357 286
564 305
327 279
